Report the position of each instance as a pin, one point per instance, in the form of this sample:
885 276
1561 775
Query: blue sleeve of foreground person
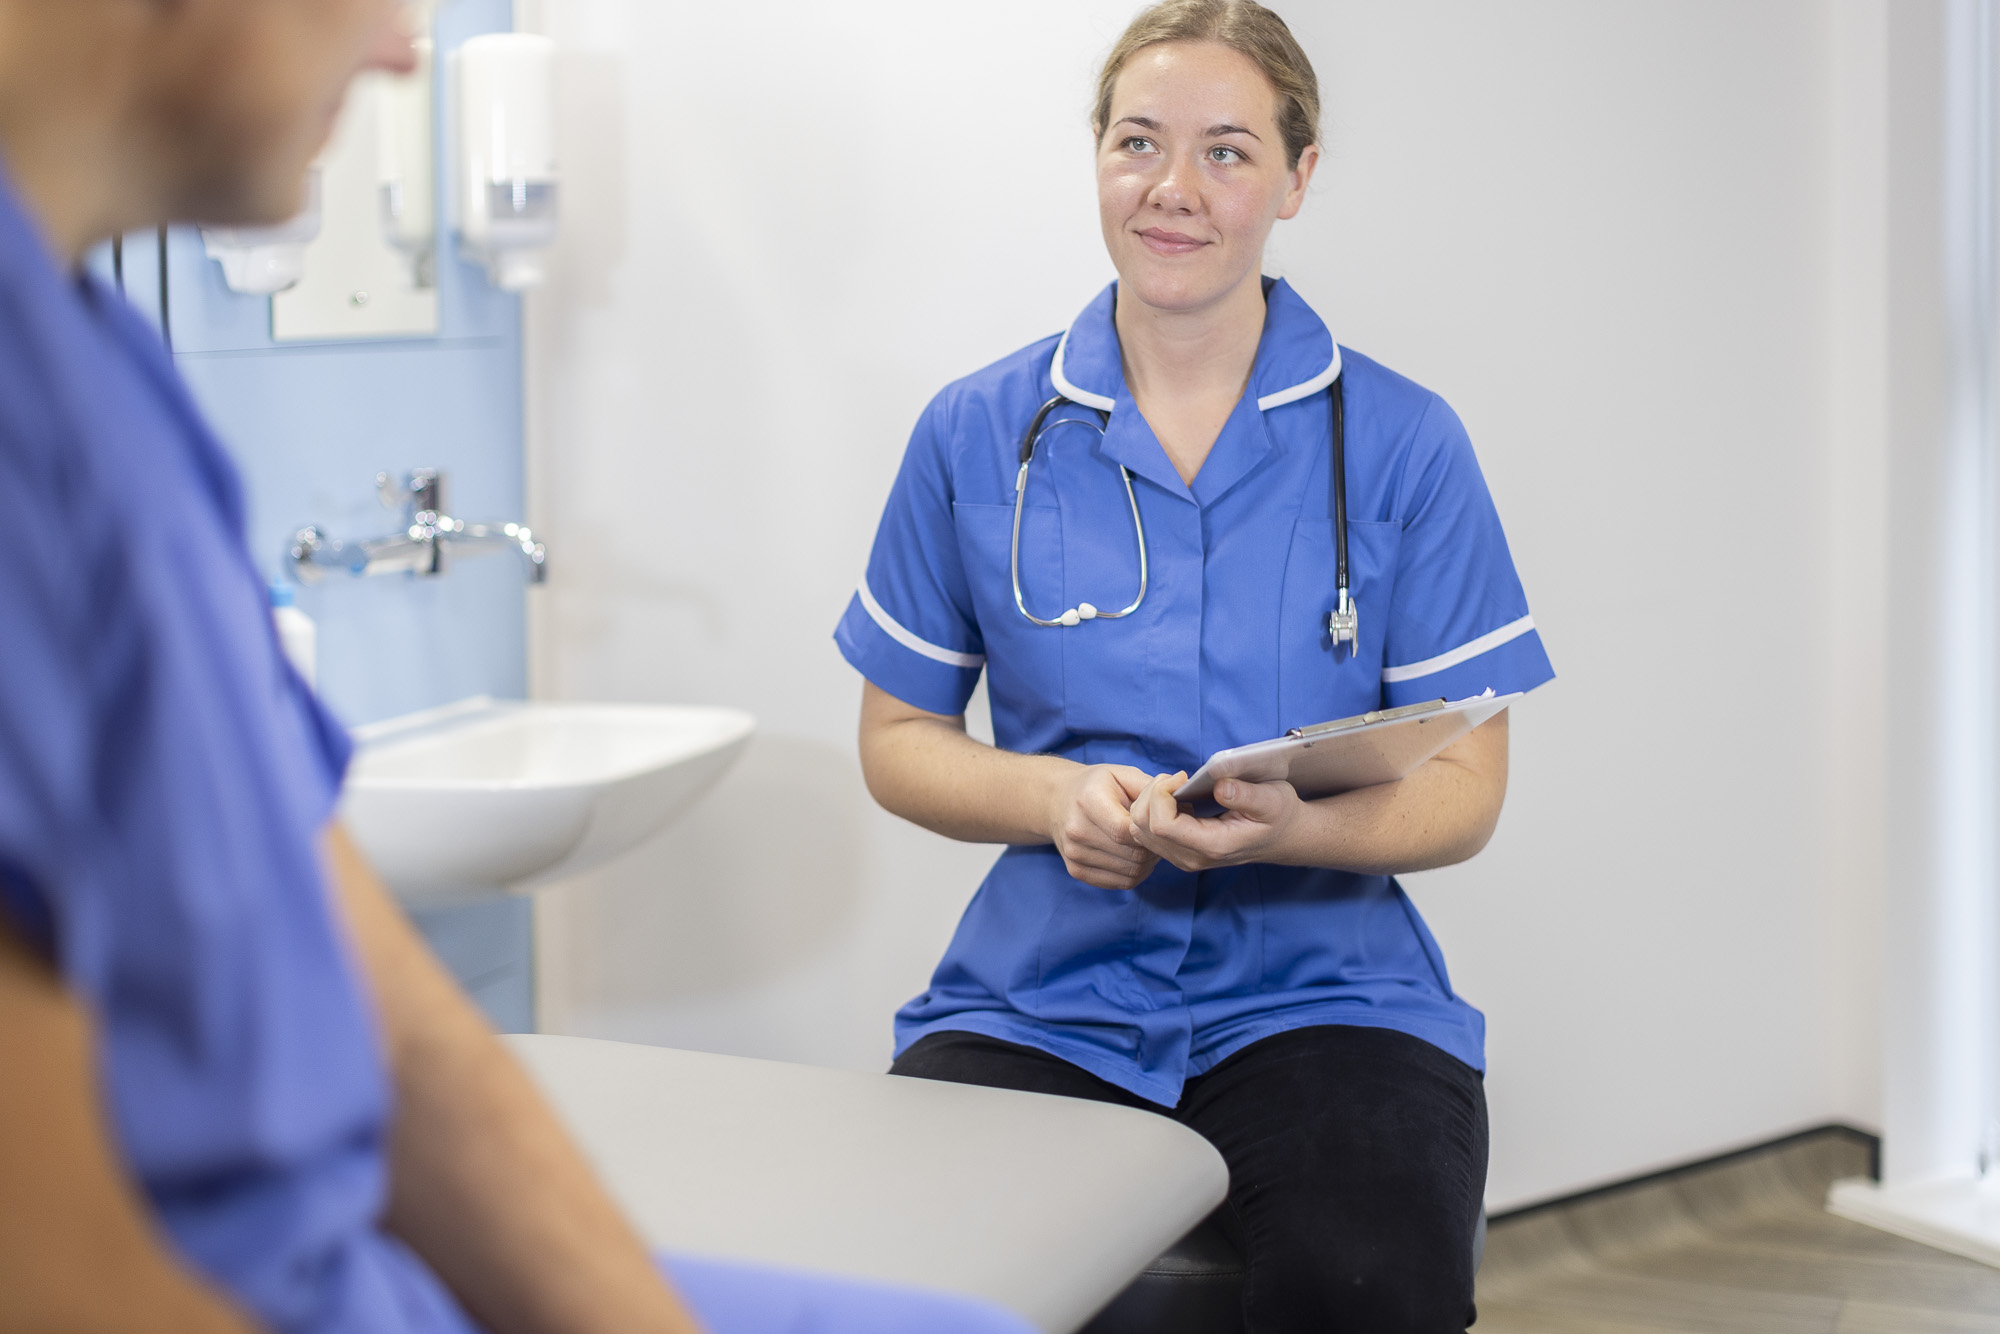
163 779
730 1297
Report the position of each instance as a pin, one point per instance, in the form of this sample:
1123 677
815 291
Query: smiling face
1191 174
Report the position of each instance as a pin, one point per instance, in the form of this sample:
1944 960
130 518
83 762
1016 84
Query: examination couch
1075 1215
1046 1206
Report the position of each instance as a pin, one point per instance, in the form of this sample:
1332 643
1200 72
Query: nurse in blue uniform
1162 589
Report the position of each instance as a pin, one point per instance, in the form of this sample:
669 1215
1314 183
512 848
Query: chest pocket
1315 684
1024 668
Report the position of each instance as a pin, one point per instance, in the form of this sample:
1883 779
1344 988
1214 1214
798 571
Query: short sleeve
910 627
1459 624
46 740
331 744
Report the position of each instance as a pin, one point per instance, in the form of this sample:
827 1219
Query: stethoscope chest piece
1343 625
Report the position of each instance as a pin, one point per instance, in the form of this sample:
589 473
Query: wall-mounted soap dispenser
504 141
403 133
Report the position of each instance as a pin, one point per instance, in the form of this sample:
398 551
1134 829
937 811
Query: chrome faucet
420 547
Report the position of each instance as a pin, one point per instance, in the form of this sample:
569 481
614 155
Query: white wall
1615 237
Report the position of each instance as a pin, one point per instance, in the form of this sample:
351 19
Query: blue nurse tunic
1149 987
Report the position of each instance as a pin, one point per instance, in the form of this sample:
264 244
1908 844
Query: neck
67 71
1192 354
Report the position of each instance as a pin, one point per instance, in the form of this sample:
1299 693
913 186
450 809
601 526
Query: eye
1137 144
1224 153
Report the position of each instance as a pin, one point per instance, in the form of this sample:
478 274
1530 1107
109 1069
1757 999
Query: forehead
1205 81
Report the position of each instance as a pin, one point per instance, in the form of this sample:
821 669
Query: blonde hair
1243 26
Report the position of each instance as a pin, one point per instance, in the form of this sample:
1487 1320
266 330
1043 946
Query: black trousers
1357 1165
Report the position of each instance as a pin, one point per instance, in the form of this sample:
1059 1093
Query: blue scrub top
1148 987
163 778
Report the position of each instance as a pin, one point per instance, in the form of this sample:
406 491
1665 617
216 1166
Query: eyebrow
1211 132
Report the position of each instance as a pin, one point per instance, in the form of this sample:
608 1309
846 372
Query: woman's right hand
923 767
1090 822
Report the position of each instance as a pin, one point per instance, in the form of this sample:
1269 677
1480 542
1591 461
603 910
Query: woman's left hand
1257 819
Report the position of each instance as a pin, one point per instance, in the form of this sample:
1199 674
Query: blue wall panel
310 425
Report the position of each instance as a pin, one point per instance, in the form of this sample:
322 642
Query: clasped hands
1113 824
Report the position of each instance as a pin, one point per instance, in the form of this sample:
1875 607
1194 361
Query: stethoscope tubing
1343 625
1083 611
1338 408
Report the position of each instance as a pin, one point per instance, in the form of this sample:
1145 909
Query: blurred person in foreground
236 1091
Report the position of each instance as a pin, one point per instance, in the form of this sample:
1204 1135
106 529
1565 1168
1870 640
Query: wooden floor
1746 1245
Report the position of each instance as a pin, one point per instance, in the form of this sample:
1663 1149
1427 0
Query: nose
389 44
1178 189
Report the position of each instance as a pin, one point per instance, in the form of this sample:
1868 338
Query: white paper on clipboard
1348 753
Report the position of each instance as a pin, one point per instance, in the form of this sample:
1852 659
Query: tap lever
418 491
420 547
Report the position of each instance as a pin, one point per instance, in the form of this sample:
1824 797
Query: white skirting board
1957 1214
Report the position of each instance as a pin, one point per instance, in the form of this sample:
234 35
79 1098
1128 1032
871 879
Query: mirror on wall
371 270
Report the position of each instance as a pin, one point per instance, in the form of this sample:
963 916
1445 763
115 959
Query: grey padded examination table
1047 1206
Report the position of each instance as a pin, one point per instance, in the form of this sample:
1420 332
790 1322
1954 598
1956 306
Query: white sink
488 797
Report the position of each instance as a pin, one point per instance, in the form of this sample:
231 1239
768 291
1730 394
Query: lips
1163 242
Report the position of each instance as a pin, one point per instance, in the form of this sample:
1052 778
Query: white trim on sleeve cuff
1463 653
894 629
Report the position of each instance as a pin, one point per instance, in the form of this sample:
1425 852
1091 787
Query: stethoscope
1343 623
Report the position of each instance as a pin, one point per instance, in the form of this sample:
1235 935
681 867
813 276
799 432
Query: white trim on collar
1306 390
1070 391
1272 400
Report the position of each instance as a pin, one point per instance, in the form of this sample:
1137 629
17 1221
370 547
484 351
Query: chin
284 194
235 181
251 199
1167 288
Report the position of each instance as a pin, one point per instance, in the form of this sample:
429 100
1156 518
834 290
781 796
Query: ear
1295 191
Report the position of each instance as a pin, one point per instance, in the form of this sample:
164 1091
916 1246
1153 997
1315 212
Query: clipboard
1329 758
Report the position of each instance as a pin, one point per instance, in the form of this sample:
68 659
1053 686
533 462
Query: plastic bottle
297 635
